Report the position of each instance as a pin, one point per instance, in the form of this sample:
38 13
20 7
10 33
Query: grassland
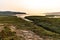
49 24
34 26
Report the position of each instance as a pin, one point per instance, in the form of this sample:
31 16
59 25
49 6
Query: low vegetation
52 25
37 26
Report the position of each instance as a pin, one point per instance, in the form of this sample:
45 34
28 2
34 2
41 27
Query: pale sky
31 6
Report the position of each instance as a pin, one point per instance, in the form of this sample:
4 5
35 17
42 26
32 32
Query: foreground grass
49 25
26 25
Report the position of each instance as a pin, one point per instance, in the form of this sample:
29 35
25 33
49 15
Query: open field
21 24
49 24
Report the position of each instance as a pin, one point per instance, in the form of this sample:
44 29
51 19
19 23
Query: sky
30 6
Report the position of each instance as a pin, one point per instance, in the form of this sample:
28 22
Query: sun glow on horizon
31 6
41 6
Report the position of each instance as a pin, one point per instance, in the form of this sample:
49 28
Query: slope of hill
38 28
53 13
50 24
10 13
11 27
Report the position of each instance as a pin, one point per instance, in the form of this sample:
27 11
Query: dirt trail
28 35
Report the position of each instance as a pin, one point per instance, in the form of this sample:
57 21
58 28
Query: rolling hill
49 24
6 22
10 13
45 28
